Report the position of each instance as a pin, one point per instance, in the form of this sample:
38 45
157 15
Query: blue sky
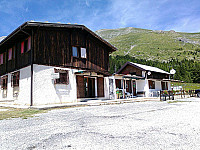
178 15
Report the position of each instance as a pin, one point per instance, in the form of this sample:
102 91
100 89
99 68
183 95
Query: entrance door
134 88
128 86
89 85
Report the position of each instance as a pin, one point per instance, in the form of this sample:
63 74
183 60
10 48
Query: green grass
187 86
18 113
177 101
153 45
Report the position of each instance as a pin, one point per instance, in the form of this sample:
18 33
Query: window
26 45
75 51
1 59
4 81
10 54
83 52
164 85
64 76
118 83
15 79
151 84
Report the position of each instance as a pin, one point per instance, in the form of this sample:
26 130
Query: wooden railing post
160 96
181 93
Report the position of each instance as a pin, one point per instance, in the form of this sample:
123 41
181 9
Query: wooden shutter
80 87
100 87
22 47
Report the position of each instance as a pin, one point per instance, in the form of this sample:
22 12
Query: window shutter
29 43
22 47
10 54
1 59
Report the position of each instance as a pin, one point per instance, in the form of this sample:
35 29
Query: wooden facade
132 69
51 44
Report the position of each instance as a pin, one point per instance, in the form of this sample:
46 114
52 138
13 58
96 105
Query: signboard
55 75
172 71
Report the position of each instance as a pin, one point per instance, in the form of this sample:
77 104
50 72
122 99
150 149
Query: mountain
1 38
156 45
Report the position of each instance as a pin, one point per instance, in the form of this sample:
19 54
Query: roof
1 38
29 24
143 67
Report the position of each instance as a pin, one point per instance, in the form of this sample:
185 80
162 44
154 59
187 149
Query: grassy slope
18 113
153 45
187 86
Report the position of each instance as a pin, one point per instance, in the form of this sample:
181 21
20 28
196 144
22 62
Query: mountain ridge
153 44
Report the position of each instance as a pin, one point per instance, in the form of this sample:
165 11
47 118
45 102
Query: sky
178 15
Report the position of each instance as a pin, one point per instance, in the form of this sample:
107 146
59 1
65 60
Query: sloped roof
30 24
143 67
1 38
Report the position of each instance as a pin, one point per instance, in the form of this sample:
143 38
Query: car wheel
198 94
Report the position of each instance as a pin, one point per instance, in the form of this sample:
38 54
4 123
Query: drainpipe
32 47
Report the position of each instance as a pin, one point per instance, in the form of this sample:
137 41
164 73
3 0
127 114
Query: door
91 87
134 88
100 87
128 86
80 87
85 87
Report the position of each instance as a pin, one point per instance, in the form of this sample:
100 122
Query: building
45 63
134 79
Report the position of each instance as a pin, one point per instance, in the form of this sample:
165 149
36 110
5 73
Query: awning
134 77
90 71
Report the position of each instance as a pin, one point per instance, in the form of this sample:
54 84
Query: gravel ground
139 125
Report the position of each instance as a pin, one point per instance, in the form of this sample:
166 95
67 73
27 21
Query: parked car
197 92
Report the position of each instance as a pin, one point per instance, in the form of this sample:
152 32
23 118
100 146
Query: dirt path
139 125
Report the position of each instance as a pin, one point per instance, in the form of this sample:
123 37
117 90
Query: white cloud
188 24
99 14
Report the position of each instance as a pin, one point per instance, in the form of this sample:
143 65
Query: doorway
89 85
134 88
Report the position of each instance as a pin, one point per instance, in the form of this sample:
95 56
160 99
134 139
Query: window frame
64 76
77 48
165 85
152 84
15 81
79 52
4 82
26 45
83 48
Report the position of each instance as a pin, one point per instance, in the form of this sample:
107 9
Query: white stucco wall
24 88
140 85
24 97
169 85
46 92
106 88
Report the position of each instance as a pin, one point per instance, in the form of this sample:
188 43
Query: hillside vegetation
162 49
153 45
